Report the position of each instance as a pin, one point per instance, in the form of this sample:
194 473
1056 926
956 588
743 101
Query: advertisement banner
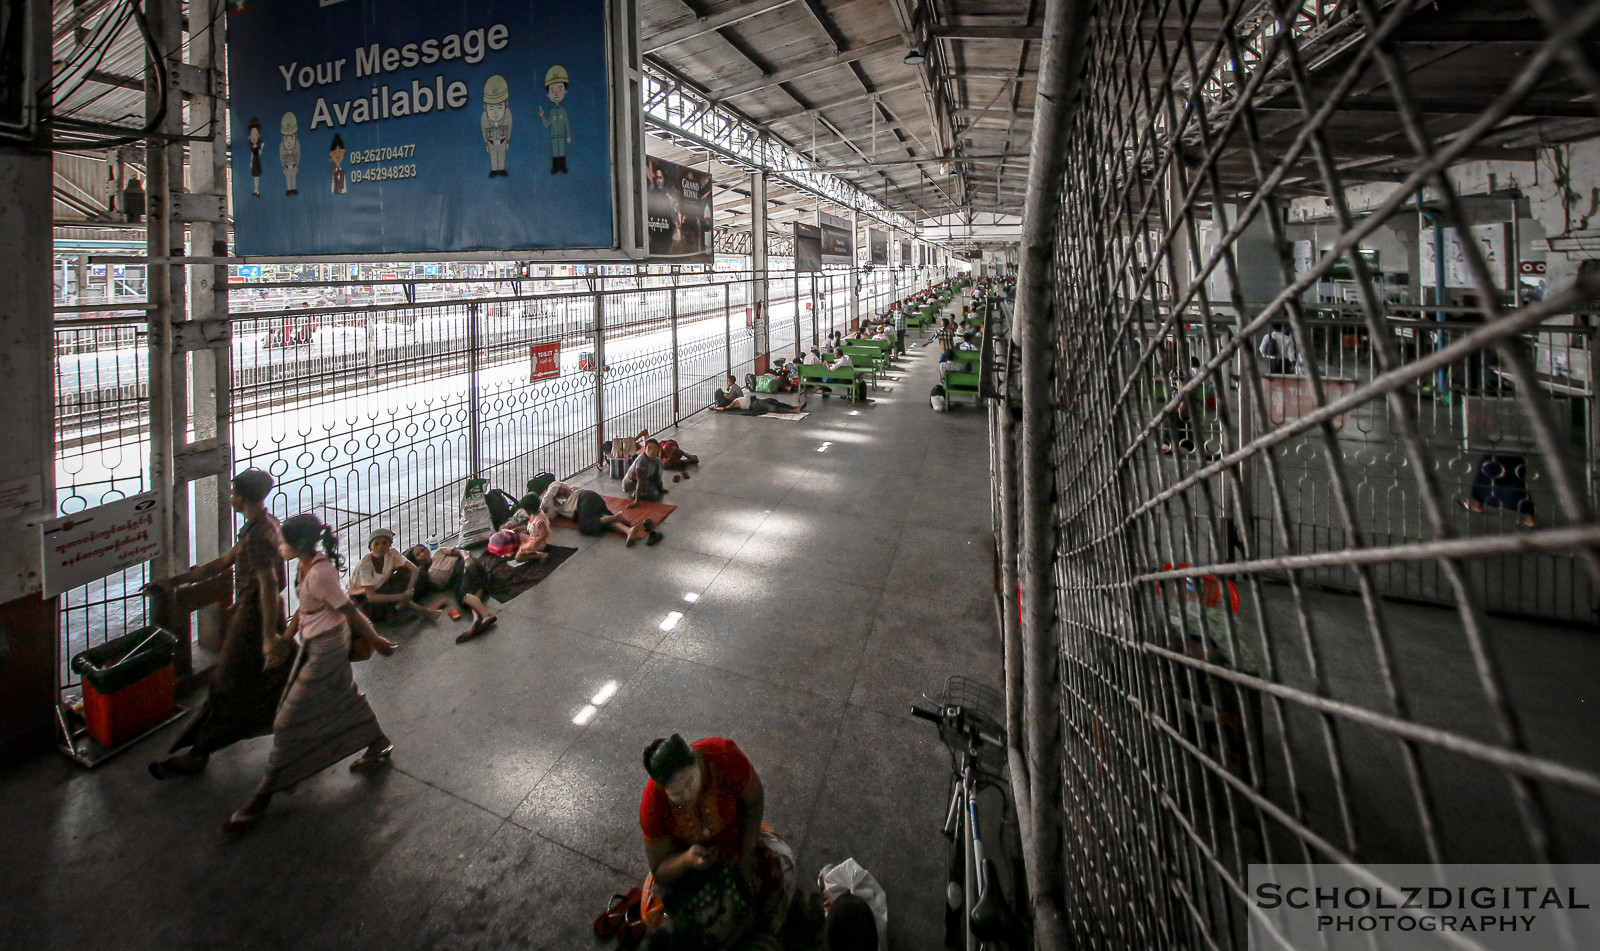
89 545
905 253
677 211
837 246
878 244
363 128
807 248
546 361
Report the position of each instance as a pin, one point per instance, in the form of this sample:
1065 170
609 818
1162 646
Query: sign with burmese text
89 545
1424 907
388 126
545 360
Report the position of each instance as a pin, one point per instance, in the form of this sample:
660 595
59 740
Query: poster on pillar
677 211
1491 240
837 244
807 248
371 127
878 247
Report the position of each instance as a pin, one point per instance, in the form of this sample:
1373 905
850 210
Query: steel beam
711 23
795 73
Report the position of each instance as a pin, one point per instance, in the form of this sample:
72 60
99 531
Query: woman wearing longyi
323 716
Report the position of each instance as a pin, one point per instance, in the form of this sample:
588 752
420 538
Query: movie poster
362 127
807 248
678 211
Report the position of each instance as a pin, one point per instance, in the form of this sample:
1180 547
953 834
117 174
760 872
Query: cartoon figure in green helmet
496 124
555 86
289 152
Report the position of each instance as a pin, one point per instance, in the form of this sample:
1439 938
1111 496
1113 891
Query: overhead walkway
827 572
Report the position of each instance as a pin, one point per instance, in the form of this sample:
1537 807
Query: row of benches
867 358
972 380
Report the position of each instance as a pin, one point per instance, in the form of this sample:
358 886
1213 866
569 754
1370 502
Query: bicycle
977 915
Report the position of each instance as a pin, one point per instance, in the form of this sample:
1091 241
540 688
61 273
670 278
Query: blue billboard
400 127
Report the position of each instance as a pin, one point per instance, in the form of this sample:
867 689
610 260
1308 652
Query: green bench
884 348
972 380
815 374
865 361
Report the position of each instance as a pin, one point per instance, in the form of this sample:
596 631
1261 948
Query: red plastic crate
122 714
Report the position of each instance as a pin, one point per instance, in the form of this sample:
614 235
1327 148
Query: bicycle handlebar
953 717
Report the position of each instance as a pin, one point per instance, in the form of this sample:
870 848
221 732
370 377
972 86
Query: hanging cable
120 136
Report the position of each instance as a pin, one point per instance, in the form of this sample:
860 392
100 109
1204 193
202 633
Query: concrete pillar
758 264
27 467
210 370
856 269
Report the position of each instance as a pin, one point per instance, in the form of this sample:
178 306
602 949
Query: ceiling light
914 57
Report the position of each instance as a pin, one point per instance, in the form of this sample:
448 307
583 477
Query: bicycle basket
983 707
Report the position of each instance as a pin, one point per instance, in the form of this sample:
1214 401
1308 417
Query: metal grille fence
1294 577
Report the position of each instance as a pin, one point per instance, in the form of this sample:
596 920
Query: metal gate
1301 524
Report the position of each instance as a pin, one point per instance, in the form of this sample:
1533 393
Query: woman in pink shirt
323 716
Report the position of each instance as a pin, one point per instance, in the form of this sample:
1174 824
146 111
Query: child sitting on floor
643 480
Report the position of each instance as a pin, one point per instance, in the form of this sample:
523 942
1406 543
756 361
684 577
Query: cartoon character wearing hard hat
555 86
496 124
289 152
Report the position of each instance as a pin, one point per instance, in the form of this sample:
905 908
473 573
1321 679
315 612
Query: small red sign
1534 268
546 361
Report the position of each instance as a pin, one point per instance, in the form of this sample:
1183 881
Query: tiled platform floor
833 587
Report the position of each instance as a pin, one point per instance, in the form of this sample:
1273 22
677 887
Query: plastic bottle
433 542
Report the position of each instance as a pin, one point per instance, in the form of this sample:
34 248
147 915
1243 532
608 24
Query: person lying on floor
642 483
453 572
672 455
382 582
589 510
753 405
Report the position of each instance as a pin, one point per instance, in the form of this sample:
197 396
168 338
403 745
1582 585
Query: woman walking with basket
323 716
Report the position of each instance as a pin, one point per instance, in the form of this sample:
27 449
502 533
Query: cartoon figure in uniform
555 86
255 157
289 152
336 163
496 124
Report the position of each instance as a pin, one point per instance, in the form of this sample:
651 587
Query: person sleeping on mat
752 405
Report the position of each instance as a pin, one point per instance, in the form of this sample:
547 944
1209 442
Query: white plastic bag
475 526
849 878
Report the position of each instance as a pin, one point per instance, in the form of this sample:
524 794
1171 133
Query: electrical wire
120 136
